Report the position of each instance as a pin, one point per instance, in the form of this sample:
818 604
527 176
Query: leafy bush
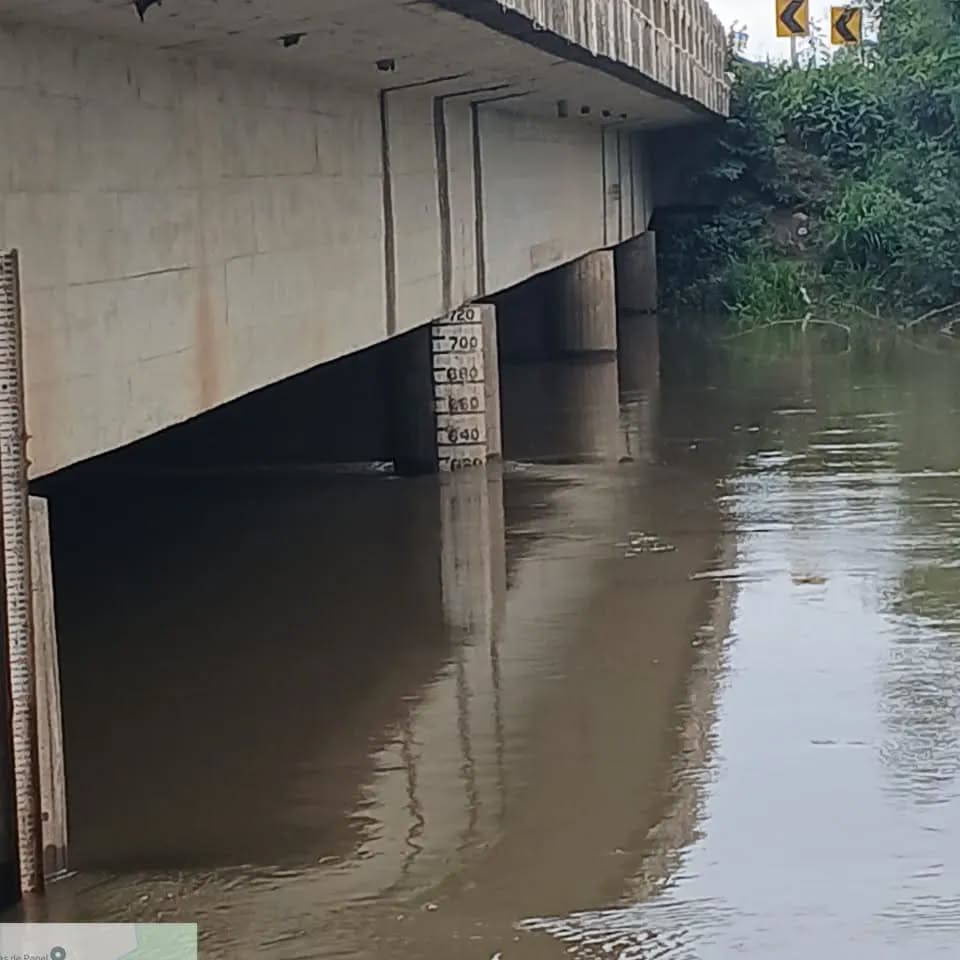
867 146
766 287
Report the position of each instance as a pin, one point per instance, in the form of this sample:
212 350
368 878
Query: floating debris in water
808 579
735 573
640 543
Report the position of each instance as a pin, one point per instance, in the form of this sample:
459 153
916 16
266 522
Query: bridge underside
345 40
203 209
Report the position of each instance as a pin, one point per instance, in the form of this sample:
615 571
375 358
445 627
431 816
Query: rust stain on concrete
207 366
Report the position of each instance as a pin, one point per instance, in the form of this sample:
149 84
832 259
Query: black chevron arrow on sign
789 17
842 25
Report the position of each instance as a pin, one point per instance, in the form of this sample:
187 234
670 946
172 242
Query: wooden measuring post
53 785
16 556
9 853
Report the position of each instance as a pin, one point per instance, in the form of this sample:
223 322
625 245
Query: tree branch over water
802 322
930 314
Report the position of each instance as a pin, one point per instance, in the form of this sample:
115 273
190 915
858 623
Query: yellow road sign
793 18
846 25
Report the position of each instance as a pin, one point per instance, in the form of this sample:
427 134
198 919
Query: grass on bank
834 189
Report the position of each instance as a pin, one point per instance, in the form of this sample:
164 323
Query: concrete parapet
680 44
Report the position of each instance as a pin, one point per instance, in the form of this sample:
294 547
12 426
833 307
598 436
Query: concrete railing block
671 41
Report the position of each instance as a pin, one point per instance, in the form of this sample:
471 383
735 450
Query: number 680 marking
456 374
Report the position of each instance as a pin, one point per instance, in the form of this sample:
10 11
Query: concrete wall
555 169
191 231
179 224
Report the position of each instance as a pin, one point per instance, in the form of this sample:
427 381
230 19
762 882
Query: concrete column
636 264
491 384
522 320
445 393
411 415
584 305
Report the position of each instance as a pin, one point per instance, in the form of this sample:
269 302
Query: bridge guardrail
678 43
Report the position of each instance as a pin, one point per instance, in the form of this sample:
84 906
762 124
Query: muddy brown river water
702 703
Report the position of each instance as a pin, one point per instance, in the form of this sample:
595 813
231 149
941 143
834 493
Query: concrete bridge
229 193
218 196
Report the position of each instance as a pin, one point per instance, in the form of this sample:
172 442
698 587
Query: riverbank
832 192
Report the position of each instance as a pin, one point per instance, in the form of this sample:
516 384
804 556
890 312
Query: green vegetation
833 188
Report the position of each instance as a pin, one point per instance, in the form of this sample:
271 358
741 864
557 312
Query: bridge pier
569 311
584 305
445 393
523 323
412 423
636 267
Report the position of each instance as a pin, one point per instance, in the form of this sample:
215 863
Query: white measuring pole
16 556
459 388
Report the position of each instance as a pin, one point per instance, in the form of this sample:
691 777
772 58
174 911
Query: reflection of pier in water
677 828
503 776
657 853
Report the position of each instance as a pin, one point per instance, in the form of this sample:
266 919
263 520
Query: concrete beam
653 46
641 46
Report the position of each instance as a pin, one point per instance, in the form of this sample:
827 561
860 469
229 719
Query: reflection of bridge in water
493 733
